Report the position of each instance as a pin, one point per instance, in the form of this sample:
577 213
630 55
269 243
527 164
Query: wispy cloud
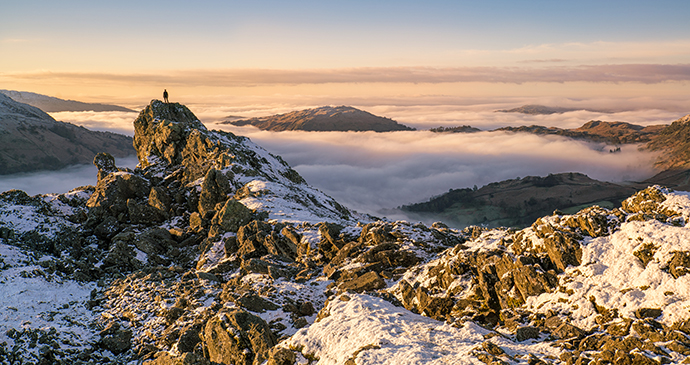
616 73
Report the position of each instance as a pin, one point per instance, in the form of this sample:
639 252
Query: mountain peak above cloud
325 118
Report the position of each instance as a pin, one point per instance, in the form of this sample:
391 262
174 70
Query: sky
129 50
424 64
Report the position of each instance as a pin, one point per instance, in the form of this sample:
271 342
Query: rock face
213 251
32 140
325 118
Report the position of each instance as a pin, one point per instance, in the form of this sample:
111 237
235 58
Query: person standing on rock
165 96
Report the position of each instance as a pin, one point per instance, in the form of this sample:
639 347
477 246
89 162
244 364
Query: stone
166 358
643 313
159 199
567 330
189 338
215 189
679 264
230 217
154 241
105 163
255 303
238 337
281 356
113 191
369 281
563 250
526 333
115 339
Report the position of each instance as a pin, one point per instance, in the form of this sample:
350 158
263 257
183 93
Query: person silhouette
165 96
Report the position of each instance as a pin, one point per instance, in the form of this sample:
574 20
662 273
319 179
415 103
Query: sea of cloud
372 172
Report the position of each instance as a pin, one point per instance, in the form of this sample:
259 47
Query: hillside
51 104
597 131
674 144
31 140
214 251
536 110
518 202
326 118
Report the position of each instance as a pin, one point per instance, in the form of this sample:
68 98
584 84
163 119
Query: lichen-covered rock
238 337
114 190
214 190
105 163
231 217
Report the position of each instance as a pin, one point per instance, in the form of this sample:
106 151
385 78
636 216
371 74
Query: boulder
214 190
230 217
238 337
113 191
115 339
105 163
369 281
281 356
679 264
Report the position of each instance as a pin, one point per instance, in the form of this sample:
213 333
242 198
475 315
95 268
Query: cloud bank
369 171
641 73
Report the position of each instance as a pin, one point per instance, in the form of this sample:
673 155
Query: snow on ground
612 275
34 300
377 332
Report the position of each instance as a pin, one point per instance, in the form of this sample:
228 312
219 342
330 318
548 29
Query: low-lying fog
59 181
370 171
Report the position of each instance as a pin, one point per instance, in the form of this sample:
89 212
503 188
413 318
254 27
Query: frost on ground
375 331
40 312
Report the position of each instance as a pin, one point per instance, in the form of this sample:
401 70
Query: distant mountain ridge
534 109
325 118
31 140
597 131
51 104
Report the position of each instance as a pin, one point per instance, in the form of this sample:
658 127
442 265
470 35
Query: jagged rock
281 356
563 250
646 204
121 257
105 163
526 333
116 339
330 242
141 213
679 264
368 281
160 200
189 338
113 191
214 190
643 313
238 337
166 358
154 241
230 217
255 303
251 237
